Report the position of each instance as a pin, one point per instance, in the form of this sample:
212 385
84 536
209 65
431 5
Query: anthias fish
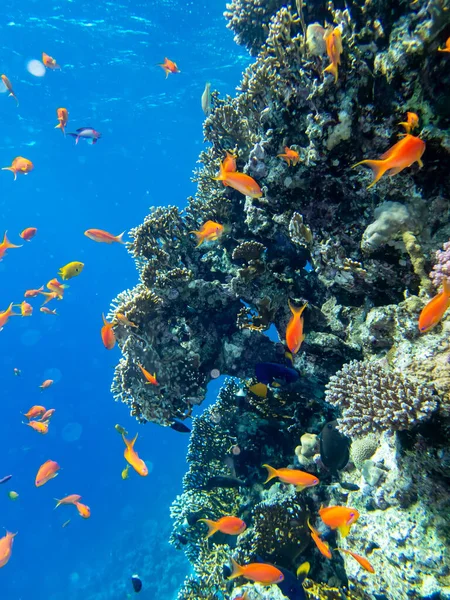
263 573
295 477
229 525
9 87
6 544
402 155
294 330
322 546
362 560
168 66
339 517
433 312
290 156
86 133
28 233
20 166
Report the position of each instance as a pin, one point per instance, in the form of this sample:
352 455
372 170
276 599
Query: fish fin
296 310
333 69
212 527
259 389
222 174
7 243
300 488
105 322
420 163
271 473
58 503
119 237
446 287
344 530
394 171
379 168
236 570
12 171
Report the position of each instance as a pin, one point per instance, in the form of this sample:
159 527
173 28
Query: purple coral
441 269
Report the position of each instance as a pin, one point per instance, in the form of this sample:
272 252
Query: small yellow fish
303 570
13 495
120 429
125 474
71 270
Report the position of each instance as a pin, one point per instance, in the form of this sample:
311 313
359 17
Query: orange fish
108 335
229 525
4 316
229 163
47 311
9 87
20 165
83 510
132 458
26 310
361 559
46 384
6 245
57 288
33 293
49 62
433 312
47 471
446 48
49 296
295 477
124 321
35 411
258 572
98 235
38 426
239 181
290 156
169 67
333 41
63 118
6 544
412 121
339 517
323 547
148 376
402 154
48 415
208 232
72 499
28 233
294 330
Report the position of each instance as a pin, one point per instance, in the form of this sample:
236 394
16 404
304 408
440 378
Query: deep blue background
152 135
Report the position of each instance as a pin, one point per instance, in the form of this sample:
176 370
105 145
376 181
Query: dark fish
193 517
136 583
291 587
5 479
334 447
179 426
351 487
225 482
86 133
269 373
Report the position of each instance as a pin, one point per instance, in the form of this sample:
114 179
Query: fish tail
236 570
333 69
58 503
271 473
297 310
199 236
212 527
7 243
379 168
119 237
12 171
129 443
222 175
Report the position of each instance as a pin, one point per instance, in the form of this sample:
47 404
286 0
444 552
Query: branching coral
441 268
373 399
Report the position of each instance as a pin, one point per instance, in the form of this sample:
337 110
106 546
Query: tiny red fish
9 87
108 335
433 312
169 66
20 165
28 233
49 61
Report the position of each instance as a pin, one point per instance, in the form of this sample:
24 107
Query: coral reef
359 257
373 399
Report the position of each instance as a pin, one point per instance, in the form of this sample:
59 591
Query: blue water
152 135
